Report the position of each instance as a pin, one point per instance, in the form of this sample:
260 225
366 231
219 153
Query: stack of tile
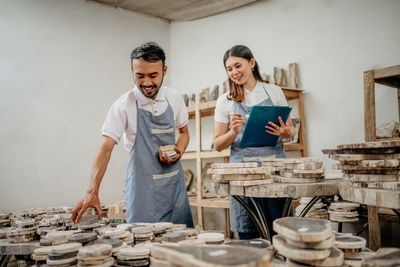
119 233
342 211
212 238
173 237
370 164
246 172
169 151
199 256
24 230
5 220
63 255
116 244
40 255
130 256
384 257
142 234
83 238
95 255
306 241
318 210
296 170
56 237
354 249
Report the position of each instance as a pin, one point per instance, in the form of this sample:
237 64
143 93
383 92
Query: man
146 118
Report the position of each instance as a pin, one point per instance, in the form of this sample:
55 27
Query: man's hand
164 158
90 200
285 130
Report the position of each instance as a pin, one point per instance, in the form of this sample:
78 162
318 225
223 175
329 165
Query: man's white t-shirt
224 107
122 116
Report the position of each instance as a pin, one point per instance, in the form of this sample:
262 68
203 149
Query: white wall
333 42
63 63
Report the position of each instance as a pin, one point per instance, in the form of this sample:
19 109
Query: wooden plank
302 135
374 228
198 167
215 154
369 106
386 72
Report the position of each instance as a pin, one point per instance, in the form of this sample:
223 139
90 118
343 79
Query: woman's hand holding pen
236 122
285 130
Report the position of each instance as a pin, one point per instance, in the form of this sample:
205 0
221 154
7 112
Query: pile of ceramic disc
370 164
83 238
132 256
95 255
317 211
4 220
142 234
24 231
306 242
119 233
239 171
353 248
254 243
173 237
341 211
169 151
116 244
297 170
384 257
63 255
212 238
210 255
56 238
40 255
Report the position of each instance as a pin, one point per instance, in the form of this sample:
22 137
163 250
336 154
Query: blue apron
272 207
155 191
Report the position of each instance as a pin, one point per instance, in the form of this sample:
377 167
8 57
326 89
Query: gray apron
155 191
272 207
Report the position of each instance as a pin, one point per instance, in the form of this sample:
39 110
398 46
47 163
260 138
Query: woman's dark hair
236 92
150 52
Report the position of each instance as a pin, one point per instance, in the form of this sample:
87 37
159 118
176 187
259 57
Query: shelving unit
389 76
207 109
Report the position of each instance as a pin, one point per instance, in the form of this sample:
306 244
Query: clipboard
254 134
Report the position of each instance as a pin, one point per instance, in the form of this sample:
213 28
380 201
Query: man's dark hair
150 52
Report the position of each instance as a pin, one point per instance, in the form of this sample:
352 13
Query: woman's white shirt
224 107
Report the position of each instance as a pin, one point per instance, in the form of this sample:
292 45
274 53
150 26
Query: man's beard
142 89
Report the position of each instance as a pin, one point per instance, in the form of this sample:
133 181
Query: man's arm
98 170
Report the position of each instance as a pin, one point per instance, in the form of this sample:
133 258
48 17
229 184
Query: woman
246 90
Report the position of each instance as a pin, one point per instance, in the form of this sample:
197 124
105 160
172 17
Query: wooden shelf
210 202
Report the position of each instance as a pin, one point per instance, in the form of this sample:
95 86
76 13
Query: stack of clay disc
95 255
317 211
190 233
40 255
119 233
212 238
352 247
254 243
116 244
342 211
191 242
385 257
25 231
63 255
210 255
132 256
300 170
225 172
173 237
306 241
142 234
4 220
370 164
158 232
83 238
56 238
169 151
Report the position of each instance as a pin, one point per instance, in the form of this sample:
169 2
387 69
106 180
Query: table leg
253 217
286 209
340 227
261 217
362 228
374 228
309 206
